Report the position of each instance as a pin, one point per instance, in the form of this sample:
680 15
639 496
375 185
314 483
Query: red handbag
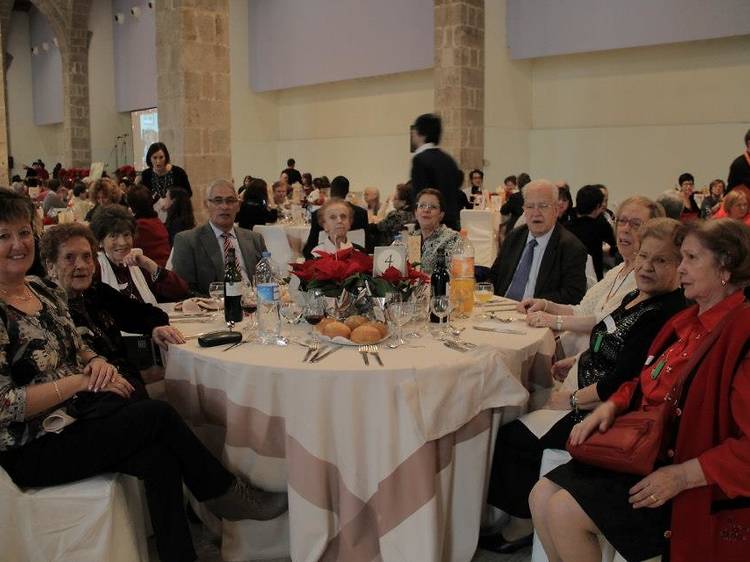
638 439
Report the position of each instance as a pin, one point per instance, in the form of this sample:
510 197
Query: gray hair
216 183
540 184
672 203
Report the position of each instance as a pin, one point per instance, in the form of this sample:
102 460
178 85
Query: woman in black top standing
161 175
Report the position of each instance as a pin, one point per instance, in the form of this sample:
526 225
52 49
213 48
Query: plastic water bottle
462 275
267 289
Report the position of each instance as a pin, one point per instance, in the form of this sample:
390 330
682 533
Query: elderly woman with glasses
128 269
604 297
436 237
100 312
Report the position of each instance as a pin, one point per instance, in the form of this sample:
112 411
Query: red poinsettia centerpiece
350 270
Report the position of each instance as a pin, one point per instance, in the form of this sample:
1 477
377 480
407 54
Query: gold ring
654 498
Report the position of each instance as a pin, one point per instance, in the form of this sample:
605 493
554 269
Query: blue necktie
521 276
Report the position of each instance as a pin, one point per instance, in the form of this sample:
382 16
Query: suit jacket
198 258
361 220
562 273
435 168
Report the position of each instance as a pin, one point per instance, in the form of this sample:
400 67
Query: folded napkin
57 421
196 305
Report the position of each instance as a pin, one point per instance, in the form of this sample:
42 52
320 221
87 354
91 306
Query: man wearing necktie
541 258
199 255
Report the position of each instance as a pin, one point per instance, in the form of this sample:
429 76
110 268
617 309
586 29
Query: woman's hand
99 373
117 385
659 487
600 419
136 258
561 368
528 306
558 400
164 335
540 319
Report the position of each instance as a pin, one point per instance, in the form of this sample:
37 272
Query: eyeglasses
540 206
624 221
225 200
428 206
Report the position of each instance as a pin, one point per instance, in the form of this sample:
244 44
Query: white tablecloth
380 463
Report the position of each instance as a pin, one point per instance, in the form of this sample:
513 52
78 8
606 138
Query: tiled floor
209 552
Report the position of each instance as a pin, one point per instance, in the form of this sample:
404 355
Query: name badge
610 324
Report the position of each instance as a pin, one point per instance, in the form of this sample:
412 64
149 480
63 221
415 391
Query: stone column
76 120
5 12
192 50
459 79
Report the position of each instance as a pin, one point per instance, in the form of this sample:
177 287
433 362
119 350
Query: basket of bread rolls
355 330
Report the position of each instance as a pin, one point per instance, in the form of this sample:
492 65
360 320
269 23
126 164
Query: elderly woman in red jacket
706 486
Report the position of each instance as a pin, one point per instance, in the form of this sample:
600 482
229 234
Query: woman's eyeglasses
428 206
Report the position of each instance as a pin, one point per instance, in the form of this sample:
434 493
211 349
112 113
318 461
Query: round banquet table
386 463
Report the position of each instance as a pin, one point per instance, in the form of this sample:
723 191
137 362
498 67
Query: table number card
389 256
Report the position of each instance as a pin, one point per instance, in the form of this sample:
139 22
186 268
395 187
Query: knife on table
330 351
500 330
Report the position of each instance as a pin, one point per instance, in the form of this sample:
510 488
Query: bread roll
335 328
382 328
366 333
355 321
323 323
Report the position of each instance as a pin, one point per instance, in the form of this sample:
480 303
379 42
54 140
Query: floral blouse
442 239
34 349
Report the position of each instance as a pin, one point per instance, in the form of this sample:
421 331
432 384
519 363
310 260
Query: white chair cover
552 458
482 228
277 243
591 279
100 519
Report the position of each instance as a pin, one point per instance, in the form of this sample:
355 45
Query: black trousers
517 460
147 439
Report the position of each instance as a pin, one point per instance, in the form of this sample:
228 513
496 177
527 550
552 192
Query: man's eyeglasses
428 206
225 200
540 206
624 221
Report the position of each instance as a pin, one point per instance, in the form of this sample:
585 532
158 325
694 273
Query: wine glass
400 313
216 292
291 311
249 301
483 293
314 311
420 299
440 306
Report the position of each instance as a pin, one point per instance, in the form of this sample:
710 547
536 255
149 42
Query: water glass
216 292
440 307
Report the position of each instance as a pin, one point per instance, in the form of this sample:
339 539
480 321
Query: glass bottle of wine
232 289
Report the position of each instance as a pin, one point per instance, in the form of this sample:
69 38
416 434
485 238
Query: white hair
216 183
540 184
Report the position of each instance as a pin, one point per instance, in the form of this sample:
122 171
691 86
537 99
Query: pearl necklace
24 297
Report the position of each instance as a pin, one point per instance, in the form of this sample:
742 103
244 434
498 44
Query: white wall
357 128
27 141
634 119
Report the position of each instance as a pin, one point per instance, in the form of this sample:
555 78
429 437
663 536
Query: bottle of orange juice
462 276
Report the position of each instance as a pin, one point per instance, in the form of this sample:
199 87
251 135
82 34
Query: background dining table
380 463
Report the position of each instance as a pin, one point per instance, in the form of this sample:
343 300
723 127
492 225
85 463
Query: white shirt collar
425 146
541 240
218 232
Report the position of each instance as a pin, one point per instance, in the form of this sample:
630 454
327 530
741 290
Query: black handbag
95 405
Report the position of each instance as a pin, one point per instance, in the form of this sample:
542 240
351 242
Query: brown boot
244 501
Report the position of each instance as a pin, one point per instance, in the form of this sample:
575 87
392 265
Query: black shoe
497 543
244 501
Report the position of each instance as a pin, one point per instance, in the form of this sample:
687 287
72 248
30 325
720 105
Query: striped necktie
227 245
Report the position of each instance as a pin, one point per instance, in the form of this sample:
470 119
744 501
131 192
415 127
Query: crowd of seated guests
677 282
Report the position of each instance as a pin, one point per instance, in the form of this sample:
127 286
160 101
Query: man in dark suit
339 190
293 175
541 259
199 255
431 167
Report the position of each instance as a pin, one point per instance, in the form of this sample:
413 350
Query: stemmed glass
291 311
400 313
249 302
314 311
216 292
420 315
440 307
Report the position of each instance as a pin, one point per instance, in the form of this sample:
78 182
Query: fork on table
363 350
312 348
373 350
